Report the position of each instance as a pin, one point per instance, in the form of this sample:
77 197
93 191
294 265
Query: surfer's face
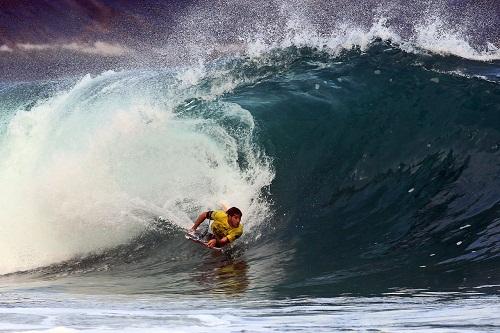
234 220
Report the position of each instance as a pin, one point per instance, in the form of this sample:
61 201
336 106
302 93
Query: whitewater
87 170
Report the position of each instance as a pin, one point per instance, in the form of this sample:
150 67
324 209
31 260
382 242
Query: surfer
223 227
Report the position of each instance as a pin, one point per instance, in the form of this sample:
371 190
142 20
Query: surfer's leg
207 231
203 231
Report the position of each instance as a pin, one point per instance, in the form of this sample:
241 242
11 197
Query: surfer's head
234 216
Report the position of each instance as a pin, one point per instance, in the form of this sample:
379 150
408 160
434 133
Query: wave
354 164
386 167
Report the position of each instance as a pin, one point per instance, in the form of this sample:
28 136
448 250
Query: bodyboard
196 239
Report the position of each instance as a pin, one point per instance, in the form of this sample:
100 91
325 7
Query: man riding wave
224 227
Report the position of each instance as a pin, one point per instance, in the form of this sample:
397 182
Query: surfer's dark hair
234 211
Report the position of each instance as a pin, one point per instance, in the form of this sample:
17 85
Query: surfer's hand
192 230
211 243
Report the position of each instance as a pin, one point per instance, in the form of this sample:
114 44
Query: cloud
33 47
97 48
5 48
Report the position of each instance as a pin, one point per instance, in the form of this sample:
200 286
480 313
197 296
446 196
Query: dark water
382 166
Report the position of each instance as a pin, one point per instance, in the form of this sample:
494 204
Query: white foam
429 35
192 75
435 36
87 169
59 329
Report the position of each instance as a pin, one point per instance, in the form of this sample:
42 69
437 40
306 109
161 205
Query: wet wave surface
356 172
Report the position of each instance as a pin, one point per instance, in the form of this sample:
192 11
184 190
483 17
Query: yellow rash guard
220 226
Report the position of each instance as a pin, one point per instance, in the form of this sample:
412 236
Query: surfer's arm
230 237
198 221
219 242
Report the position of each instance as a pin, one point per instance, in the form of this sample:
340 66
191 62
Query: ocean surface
366 164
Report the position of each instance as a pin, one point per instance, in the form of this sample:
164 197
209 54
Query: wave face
357 170
386 168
